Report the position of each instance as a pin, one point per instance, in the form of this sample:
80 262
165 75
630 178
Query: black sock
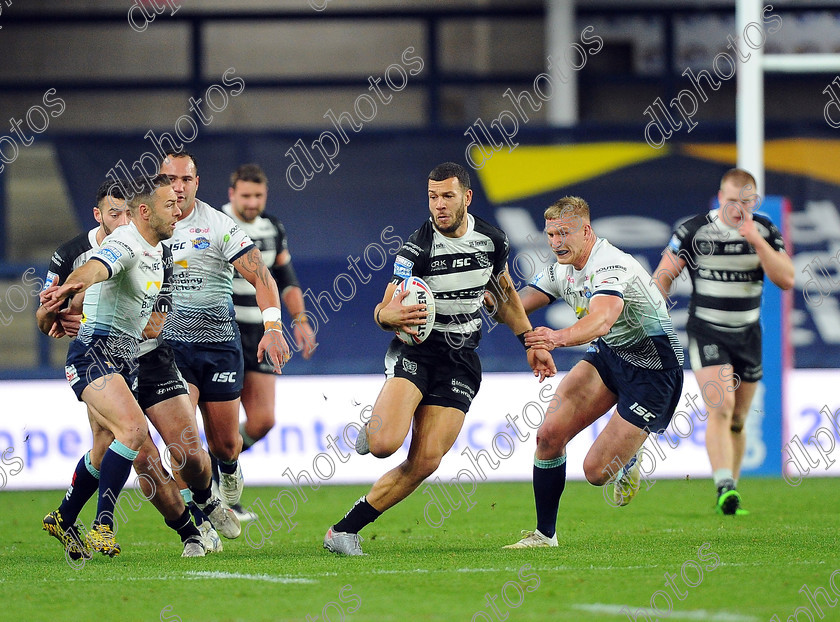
83 486
198 516
201 496
184 526
549 482
214 468
228 467
361 514
116 467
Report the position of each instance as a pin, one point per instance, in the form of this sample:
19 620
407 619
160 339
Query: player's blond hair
568 207
739 177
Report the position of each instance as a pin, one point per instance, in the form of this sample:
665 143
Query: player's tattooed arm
251 266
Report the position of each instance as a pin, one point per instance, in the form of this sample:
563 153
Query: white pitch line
311 577
695 614
206 574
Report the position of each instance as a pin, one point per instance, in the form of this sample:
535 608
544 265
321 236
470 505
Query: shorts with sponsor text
215 368
158 378
446 376
708 347
647 398
93 364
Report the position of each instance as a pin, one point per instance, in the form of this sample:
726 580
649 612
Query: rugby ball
419 294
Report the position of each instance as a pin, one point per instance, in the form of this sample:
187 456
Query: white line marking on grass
206 574
695 614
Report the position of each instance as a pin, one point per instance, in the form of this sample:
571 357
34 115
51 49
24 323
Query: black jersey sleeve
773 235
61 263
682 241
413 257
284 274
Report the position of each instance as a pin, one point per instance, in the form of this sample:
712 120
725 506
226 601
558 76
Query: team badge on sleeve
110 254
402 267
674 244
51 277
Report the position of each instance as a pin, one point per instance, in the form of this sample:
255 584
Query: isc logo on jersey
224 376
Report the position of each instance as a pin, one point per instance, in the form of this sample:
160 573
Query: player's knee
382 447
723 407
227 450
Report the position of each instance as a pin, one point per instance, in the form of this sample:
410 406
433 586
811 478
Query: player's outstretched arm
251 266
604 310
390 314
91 272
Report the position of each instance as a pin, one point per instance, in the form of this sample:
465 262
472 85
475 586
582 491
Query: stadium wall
318 418
345 226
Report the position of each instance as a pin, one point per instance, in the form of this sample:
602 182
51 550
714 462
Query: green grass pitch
729 569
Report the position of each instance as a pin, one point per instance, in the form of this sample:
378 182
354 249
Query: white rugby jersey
457 270
269 236
122 305
203 247
643 334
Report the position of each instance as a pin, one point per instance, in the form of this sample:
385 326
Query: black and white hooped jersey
269 236
457 270
725 270
643 334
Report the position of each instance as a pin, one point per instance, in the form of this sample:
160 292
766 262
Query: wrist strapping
271 319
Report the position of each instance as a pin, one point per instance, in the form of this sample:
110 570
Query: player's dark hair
248 172
178 153
451 169
109 189
739 177
145 187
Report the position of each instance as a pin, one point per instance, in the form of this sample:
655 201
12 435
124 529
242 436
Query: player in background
727 252
634 362
248 193
207 247
123 278
429 387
